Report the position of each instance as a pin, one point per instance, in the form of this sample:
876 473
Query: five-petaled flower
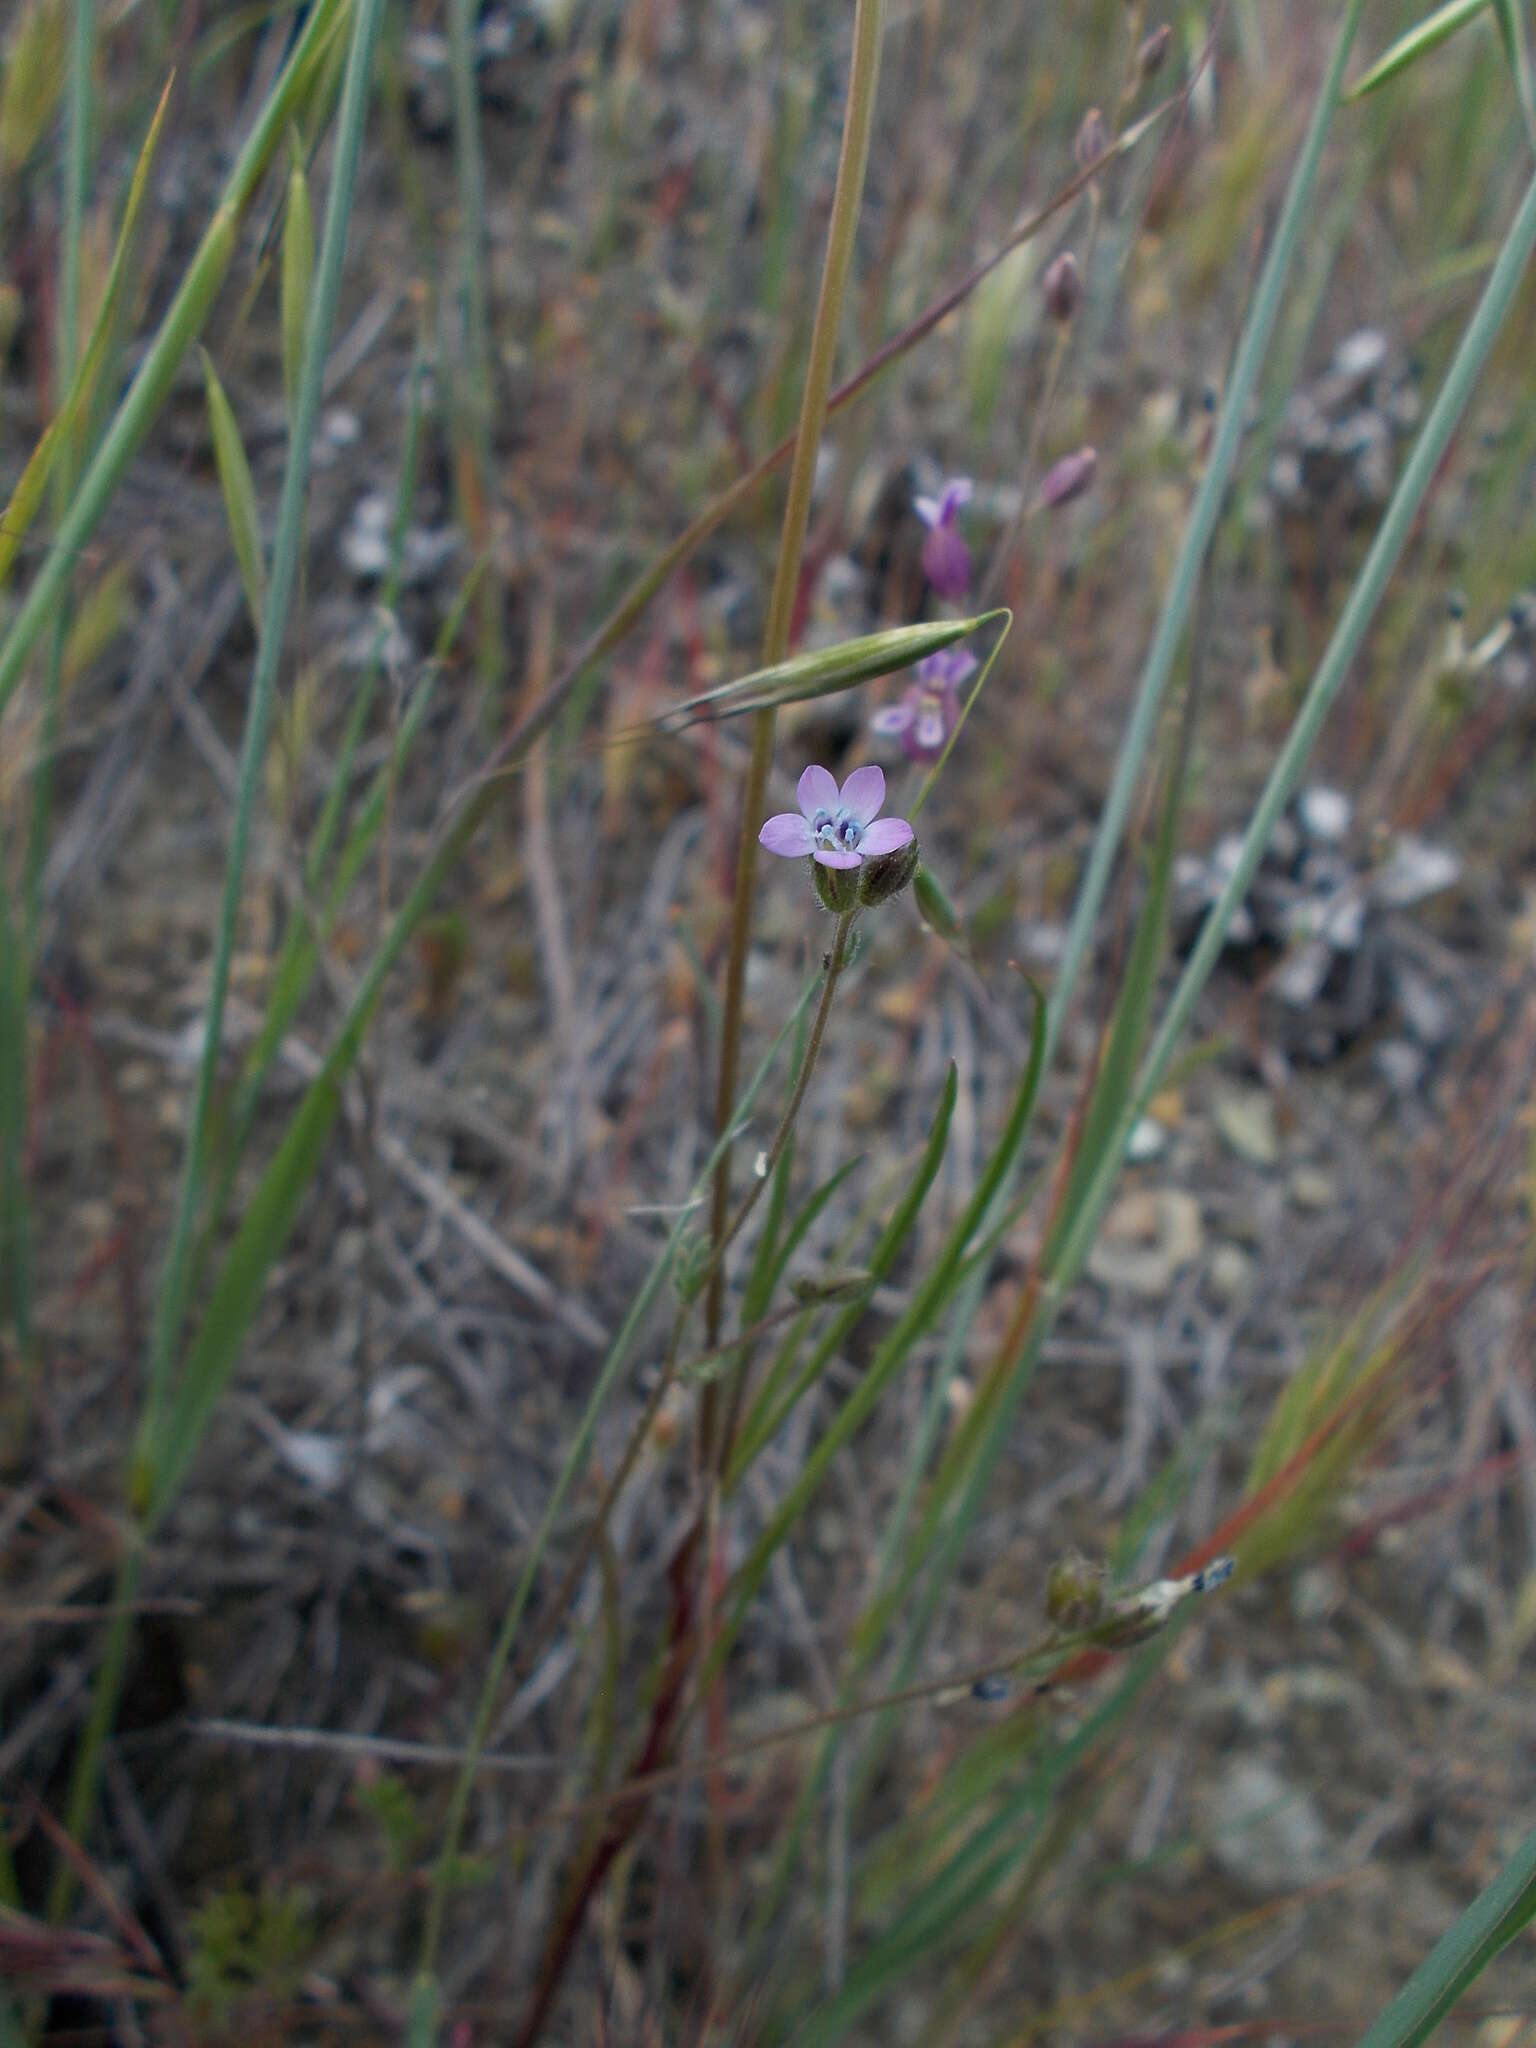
930 705
838 827
946 558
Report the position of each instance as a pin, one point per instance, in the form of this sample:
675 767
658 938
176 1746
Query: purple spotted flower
838 827
946 558
929 706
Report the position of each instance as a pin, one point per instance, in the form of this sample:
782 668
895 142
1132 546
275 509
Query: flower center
837 831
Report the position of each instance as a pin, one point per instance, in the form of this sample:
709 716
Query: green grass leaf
238 490
1459 1958
1427 35
1510 16
179 329
298 270
63 429
34 78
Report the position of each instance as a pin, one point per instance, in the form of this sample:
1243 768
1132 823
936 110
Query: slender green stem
836 961
474 392
1198 534
15 1216
1386 549
170 1306
77 159
1345 644
573 1465
868 27
147 1479
104 1697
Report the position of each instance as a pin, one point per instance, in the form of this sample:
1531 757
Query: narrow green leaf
935 908
945 1904
298 271
1117 1072
1427 35
572 1467
238 489
822 672
264 1230
34 78
1461 1955
929 1299
15 1214
62 429
769 1411
1296 216
183 322
799 1230
759 1288
1510 15
177 1273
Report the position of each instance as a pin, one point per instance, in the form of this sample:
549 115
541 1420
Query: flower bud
838 888
1062 286
1068 478
885 875
1149 57
1074 1593
935 908
1092 139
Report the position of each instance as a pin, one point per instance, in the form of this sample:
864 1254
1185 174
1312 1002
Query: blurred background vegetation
576 304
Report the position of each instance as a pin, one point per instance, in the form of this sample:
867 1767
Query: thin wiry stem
1198 534
77 159
837 960
868 27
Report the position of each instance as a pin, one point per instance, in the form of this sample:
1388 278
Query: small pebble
1147 1140
1416 870
1246 1119
1325 813
1230 1275
1313 1190
1400 1065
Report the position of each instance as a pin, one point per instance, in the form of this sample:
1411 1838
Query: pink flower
946 558
839 828
929 707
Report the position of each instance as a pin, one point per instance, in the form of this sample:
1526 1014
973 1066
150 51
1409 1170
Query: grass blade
1510 16
28 492
571 1470
1199 532
34 78
239 492
180 328
15 1216
297 278
1418 41
770 1411
929 1300
171 1302
1461 1955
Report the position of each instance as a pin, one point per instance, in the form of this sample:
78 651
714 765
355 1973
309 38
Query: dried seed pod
1154 50
1062 286
1092 139
885 875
